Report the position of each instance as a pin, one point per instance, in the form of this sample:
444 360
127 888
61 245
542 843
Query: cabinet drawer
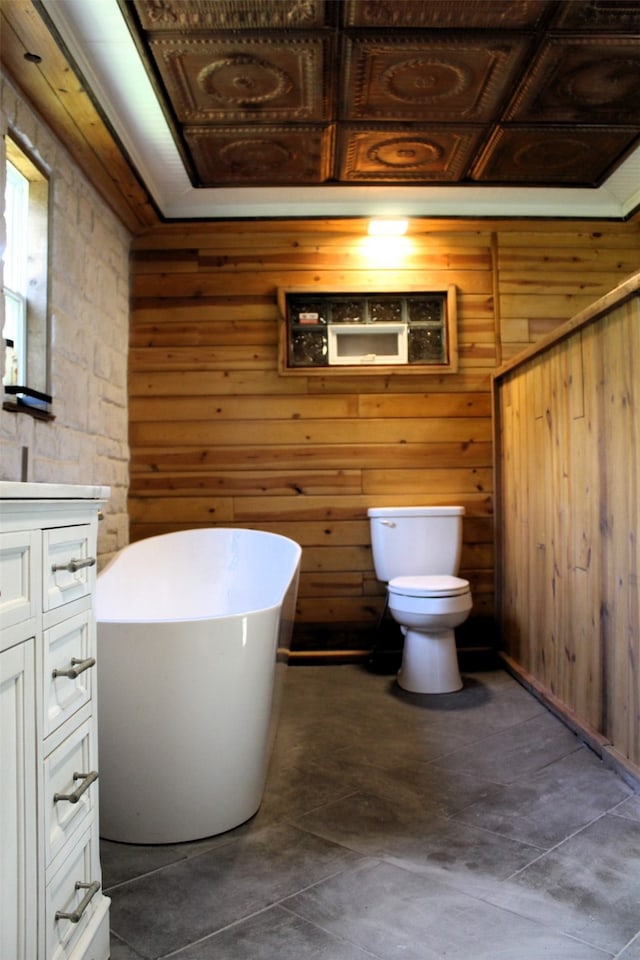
69 886
69 669
69 565
19 577
69 787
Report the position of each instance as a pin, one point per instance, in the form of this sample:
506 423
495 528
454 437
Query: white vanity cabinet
51 901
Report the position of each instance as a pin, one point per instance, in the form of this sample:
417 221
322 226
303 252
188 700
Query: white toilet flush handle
388 523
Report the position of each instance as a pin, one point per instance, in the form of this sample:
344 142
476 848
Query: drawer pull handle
76 916
77 667
74 565
87 780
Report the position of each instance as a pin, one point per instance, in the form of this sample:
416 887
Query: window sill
25 400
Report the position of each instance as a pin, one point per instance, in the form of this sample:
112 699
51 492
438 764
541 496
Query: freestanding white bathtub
194 631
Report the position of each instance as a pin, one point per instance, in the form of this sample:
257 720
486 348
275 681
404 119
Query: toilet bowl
416 551
428 609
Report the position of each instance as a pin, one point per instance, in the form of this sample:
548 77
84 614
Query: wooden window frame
31 394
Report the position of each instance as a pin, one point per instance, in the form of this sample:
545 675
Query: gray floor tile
395 825
388 769
487 704
274 933
629 808
379 827
125 861
196 896
530 746
597 874
396 914
406 783
295 785
549 806
631 951
404 744
122 951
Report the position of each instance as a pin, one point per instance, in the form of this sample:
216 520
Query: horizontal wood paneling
569 494
314 432
326 457
218 437
548 274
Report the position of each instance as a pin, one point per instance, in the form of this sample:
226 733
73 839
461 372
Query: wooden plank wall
567 441
219 437
549 272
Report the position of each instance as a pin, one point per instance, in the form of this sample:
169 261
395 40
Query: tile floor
470 826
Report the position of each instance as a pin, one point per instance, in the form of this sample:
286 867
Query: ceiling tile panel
262 79
551 155
253 155
579 79
444 14
230 14
455 79
599 16
411 155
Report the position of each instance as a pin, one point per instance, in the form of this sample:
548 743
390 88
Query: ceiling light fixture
387 228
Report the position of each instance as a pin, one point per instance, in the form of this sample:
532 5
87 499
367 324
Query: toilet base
429 662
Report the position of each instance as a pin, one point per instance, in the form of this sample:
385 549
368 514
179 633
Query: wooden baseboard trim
481 657
327 656
591 737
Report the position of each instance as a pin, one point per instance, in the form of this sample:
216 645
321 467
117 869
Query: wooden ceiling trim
58 96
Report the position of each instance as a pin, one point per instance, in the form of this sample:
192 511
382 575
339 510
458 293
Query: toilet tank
415 541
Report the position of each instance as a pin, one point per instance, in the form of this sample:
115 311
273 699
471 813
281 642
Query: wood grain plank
569 504
228 408
216 282
249 356
463 404
326 457
248 483
313 432
419 480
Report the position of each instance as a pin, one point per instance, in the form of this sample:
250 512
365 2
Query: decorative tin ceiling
306 92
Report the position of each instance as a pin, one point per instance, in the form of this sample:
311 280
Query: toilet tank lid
415 511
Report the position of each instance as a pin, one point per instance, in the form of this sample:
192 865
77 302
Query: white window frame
351 343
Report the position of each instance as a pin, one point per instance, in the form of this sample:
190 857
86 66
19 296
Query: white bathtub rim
130 621
194 530
292 571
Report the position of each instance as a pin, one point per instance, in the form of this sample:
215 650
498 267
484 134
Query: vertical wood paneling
569 498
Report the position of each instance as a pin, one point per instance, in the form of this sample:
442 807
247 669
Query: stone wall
89 334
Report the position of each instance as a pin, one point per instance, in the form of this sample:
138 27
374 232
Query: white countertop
15 490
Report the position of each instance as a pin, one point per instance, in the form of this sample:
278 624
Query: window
25 330
412 332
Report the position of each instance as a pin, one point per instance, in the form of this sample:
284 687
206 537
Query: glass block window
420 326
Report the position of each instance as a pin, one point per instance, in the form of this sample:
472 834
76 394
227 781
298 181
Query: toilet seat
429 586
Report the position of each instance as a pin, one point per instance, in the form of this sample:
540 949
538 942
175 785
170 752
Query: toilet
416 552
